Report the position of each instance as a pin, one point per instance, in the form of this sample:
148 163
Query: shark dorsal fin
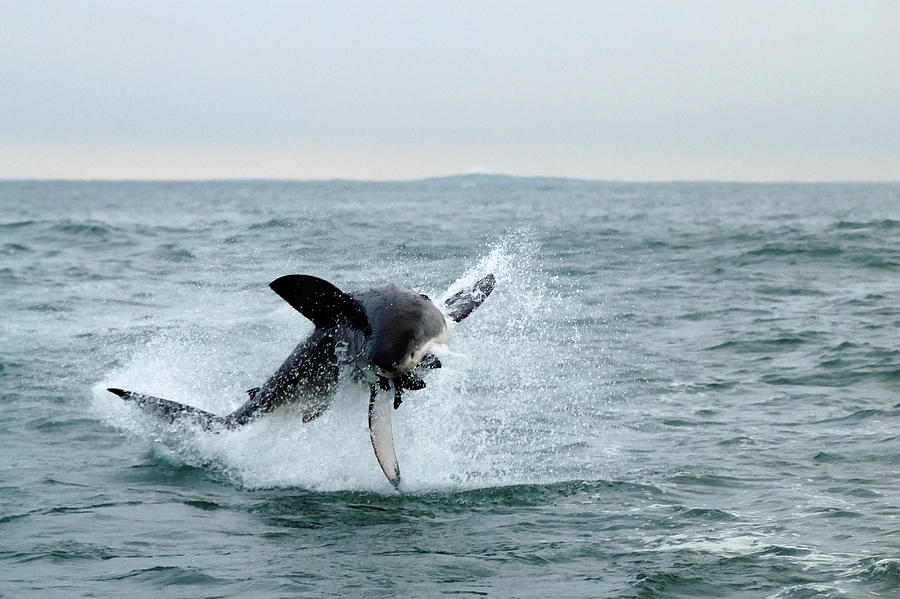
320 301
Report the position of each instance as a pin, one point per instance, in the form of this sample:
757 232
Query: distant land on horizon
482 177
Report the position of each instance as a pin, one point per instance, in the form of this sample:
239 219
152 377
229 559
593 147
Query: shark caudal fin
170 411
463 302
320 301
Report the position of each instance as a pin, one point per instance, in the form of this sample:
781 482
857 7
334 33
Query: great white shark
383 335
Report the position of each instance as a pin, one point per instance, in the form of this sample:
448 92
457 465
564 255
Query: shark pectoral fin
170 411
381 435
320 301
252 392
460 304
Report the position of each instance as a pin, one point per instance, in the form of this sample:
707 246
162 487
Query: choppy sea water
676 390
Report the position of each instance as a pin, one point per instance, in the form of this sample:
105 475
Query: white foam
483 420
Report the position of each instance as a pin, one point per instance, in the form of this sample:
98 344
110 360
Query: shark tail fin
171 411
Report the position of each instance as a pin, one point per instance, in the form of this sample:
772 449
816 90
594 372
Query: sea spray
486 418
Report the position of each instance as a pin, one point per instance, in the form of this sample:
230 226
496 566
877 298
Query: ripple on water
824 457
166 576
690 480
14 248
710 514
810 591
64 551
886 224
170 252
767 346
879 575
740 440
676 583
84 229
853 418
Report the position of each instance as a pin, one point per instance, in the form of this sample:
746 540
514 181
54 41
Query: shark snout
394 367
393 356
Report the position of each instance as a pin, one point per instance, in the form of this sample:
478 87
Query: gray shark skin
383 335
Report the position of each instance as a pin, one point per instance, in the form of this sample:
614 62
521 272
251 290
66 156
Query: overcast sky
644 90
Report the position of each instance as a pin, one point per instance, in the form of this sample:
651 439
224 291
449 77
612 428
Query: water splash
499 412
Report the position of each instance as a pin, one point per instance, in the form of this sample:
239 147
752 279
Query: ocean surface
675 390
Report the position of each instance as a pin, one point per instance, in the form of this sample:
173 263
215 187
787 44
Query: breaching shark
384 335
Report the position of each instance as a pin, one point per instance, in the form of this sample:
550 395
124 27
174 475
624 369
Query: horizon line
472 175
